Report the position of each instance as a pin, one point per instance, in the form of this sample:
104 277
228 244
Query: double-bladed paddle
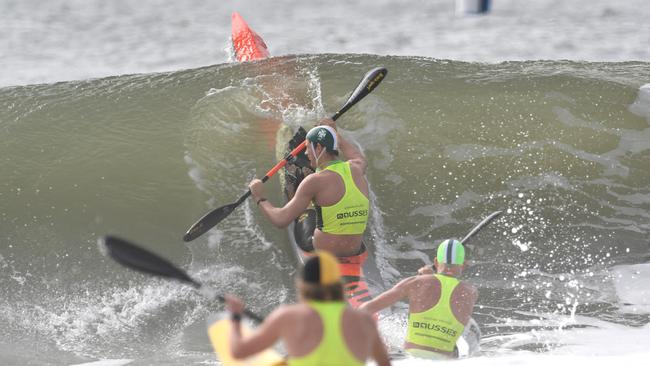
212 218
142 260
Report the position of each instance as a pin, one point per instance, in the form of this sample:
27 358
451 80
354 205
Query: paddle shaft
246 312
480 225
209 292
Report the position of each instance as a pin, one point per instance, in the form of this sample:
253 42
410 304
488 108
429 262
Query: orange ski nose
238 23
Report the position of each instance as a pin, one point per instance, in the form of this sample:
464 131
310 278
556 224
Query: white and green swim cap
451 251
325 136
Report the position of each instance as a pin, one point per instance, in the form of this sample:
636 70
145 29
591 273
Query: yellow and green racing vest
332 349
349 216
437 327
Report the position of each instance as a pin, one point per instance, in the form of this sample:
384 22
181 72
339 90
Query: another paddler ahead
321 329
338 189
440 305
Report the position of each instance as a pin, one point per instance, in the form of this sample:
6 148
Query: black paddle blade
366 85
208 221
129 255
480 225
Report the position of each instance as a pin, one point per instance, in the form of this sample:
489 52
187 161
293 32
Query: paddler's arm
351 152
379 352
265 336
388 298
283 216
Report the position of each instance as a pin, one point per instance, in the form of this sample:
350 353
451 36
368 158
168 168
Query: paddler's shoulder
418 280
358 164
423 280
316 180
287 319
294 310
468 289
409 284
286 314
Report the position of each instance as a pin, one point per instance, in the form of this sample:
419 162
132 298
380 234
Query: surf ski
247 44
219 329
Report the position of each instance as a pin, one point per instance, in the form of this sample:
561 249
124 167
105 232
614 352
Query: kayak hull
219 330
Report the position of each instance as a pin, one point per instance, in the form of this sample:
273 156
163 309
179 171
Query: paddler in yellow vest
440 305
320 330
338 189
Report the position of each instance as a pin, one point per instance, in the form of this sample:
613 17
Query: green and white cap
451 251
324 135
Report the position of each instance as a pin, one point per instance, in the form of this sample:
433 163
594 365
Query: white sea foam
631 283
641 105
119 362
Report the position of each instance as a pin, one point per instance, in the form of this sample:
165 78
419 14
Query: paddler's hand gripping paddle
134 257
212 218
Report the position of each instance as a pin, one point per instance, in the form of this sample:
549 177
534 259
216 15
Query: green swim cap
324 135
451 251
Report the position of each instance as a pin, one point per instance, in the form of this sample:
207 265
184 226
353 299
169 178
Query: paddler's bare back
339 245
424 293
305 331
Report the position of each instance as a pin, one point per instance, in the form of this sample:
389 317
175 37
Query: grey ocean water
77 39
130 118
